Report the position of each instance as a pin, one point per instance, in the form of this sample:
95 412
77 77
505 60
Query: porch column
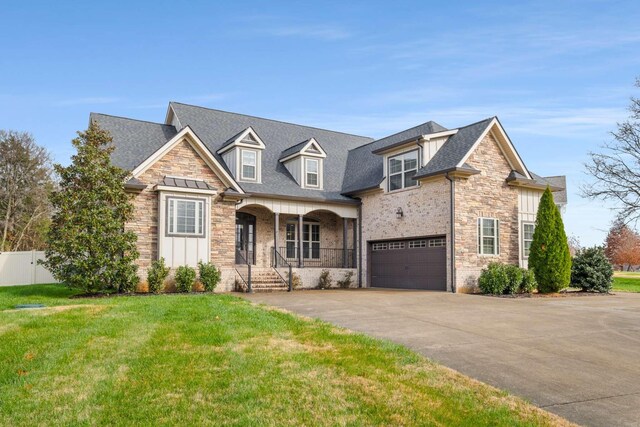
276 228
345 241
300 252
355 243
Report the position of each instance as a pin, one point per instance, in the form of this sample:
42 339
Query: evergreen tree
88 248
549 257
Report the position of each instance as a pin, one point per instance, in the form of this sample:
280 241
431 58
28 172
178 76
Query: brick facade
484 195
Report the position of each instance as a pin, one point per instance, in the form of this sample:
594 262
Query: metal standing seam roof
194 184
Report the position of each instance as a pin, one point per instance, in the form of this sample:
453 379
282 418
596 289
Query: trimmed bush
528 283
156 275
324 282
346 281
591 270
296 281
185 278
493 279
514 279
550 258
209 276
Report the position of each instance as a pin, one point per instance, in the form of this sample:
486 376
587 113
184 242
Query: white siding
178 250
300 208
431 147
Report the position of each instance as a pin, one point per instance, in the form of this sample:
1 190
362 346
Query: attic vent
313 148
250 139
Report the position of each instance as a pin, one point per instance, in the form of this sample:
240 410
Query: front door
245 238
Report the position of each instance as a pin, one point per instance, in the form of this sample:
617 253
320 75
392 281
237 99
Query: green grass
218 359
626 281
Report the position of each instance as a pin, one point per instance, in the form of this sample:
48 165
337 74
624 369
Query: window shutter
497 237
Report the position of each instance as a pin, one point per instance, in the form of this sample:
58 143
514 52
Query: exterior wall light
399 213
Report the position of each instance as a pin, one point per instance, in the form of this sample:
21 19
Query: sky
558 74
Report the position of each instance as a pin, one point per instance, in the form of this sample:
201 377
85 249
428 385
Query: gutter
452 209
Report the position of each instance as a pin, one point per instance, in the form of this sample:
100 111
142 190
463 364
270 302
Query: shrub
156 275
550 258
324 282
346 282
493 279
185 278
514 279
209 276
296 281
591 270
528 283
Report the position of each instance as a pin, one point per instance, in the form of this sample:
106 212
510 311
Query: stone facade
183 161
426 212
484 195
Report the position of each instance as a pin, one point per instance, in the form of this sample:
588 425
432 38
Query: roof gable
310 147
247 138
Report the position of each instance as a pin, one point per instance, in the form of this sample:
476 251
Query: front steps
263 280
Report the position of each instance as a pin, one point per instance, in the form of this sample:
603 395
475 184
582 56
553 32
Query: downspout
452 209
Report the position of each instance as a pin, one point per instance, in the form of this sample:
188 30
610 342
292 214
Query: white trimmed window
379 247
401 169
527 237
488 236
396 245
248 165
417 244
312 174
438 242
310 240
185 217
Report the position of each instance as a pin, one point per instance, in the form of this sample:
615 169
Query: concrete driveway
578 357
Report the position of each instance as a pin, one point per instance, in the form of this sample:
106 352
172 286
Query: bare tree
25 183
617 169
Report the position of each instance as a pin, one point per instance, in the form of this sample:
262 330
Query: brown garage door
409 264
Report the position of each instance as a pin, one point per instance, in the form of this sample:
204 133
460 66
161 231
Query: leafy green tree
88 247
549 257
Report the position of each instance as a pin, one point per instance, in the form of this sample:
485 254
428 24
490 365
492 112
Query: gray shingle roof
134 140
559 181
215 128
364 169
295 149
194 184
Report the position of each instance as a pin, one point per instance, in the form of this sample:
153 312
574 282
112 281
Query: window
312 174
488 236
185 217
379 246
310 240
437 243
417 244
527 237
249 162
396 245
402 168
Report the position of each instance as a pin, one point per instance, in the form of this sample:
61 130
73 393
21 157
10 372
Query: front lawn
218 359
626 281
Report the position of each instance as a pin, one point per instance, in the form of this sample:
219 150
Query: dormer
305 163
243 156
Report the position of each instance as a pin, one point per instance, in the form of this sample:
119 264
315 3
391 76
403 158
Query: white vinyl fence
22 268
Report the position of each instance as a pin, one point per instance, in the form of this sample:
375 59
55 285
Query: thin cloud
318 32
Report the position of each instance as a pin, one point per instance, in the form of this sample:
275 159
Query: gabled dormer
243 156
305 163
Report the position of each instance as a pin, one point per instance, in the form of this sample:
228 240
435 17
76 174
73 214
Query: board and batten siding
294 167
184 250
528 202
431 147
230 160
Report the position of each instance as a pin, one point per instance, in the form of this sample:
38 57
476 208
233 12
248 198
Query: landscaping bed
218 359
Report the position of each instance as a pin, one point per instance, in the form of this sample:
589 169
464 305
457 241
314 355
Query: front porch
270 243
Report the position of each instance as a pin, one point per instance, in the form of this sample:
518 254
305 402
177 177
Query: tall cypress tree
549 257
88 248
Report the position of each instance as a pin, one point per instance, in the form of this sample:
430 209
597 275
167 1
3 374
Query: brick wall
484 195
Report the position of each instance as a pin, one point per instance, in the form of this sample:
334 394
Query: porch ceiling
293 207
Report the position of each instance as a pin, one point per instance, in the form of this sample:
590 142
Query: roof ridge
270 120
399 132
130 119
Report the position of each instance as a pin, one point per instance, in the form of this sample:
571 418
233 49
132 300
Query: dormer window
401 169
243 155
248 165
312 172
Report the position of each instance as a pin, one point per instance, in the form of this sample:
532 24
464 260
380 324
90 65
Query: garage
419 263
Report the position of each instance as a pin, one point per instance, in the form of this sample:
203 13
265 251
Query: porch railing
278 261
317 257
244 270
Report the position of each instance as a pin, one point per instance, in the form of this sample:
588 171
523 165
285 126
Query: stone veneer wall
426 213
184 161
484 195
